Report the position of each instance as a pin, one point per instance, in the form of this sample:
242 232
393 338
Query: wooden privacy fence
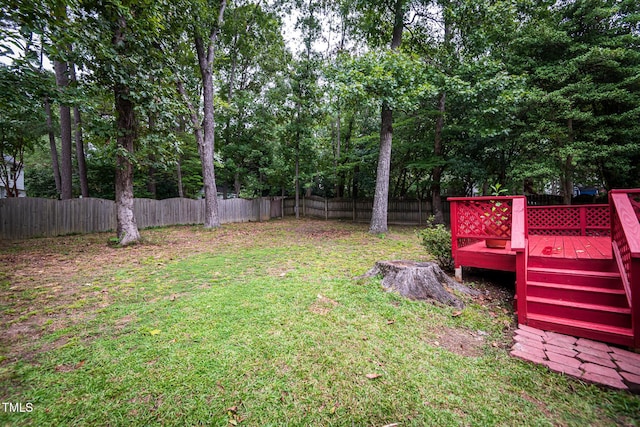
25 217
409 212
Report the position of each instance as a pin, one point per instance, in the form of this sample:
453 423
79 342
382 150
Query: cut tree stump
419 281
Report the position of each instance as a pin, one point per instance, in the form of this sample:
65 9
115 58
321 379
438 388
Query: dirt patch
461 342
323 305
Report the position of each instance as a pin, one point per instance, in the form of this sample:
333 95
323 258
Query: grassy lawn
262 324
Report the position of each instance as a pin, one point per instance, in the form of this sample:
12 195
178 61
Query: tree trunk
152 187
566 179
52 145
80 155
381 196
127 228
66 172
125 119
179 173
436 173
419 281
206 56
297 180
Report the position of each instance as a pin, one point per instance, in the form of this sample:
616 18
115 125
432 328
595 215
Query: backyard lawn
262 324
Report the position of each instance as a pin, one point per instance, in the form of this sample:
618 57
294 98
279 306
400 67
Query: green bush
436 239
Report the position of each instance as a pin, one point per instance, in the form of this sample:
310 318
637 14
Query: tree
22 120
381 197
120 39
582 118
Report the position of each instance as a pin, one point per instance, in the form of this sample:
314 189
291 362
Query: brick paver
588 360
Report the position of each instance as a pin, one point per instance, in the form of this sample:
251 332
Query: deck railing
625 230
481 218
580 220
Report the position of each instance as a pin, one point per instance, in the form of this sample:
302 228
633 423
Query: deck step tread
575 272
584 306
580 288
599 327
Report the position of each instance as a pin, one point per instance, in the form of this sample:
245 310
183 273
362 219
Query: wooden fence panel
411 212
26 217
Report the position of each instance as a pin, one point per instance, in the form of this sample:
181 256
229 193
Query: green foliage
436 239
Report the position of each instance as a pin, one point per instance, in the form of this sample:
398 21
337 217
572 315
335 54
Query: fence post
326 209
353 208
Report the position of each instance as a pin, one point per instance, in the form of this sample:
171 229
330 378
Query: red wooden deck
577 267
557 247
570 247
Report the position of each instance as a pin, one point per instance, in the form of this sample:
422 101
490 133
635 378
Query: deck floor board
556 247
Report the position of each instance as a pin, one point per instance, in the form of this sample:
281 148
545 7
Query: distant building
19 180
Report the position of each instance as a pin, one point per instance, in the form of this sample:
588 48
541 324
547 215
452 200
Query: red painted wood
518 224
628 218
522 267
478 255
595 313
570 248
635 297
615 297
594 331
453 216
605 265
603 245
596 279
565 272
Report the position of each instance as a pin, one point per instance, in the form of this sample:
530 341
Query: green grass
265 324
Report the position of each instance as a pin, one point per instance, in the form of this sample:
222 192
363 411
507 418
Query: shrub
436 239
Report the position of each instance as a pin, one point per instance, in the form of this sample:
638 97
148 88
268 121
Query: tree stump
419 281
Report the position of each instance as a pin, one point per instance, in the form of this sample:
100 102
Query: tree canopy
291 97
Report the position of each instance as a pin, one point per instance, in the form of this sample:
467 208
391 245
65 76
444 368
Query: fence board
410 212
26 217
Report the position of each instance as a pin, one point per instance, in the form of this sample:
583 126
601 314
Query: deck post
453 219
520 244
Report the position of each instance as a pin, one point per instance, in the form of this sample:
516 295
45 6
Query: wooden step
597 313
608 265
578 293
599 279
584 329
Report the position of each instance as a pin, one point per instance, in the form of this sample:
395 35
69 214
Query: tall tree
60 52
381 197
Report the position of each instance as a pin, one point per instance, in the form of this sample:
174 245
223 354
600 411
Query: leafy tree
582 61
21 120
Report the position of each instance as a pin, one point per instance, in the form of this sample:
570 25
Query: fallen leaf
392 425
456 313
155 332
391 322
373 376
436 343
233 409
494 344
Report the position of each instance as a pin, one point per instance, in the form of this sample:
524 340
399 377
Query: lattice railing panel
484 218
554 217
584 220
620 241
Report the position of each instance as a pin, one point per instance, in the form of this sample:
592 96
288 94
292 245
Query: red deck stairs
577 267
580 297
